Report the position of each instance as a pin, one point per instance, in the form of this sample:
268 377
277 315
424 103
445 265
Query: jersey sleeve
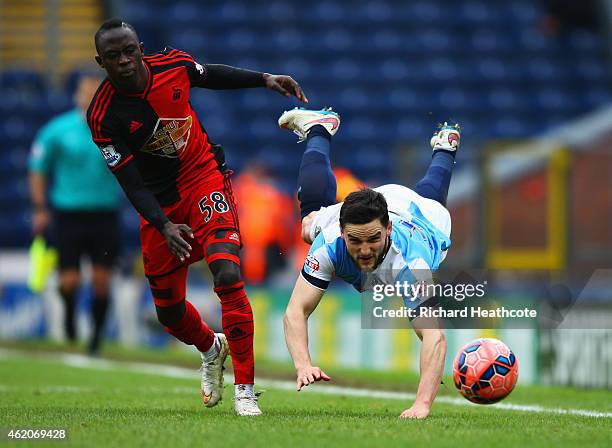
318 267
43 150
215 76
115 153
104 129
416 276
197 72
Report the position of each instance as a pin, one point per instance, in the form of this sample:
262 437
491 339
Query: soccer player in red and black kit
177 180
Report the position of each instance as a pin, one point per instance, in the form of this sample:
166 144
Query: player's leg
436 181
183 321
68 246
168 279
178 316
214 220
103 251
316 181
69 282
101 280
222 252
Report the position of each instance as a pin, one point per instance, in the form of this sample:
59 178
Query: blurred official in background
71 186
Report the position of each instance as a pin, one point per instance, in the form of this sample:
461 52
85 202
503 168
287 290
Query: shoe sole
287 116
248 415
223 354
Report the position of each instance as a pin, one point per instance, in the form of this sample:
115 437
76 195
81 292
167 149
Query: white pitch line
85 362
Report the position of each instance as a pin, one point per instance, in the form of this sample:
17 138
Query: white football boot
446 138
245 400
212 372
300 121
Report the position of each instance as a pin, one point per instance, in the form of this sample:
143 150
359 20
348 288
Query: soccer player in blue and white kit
375 236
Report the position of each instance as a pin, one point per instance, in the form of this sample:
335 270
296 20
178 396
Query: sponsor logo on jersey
170 137
111 156
234 236
199 68
312 263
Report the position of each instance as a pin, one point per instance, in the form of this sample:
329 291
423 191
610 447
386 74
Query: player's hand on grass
173 233
416 411
285 85
309 375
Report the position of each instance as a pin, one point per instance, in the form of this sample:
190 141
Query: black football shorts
94 234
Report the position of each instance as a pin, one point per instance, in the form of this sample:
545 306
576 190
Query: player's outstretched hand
285 85
174 236
417 411
309 375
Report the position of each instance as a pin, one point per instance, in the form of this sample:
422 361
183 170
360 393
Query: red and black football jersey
158 130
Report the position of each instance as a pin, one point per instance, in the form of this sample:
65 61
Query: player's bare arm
40 213
431 366
303 302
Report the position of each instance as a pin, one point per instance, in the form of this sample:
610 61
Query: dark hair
364 206
111 24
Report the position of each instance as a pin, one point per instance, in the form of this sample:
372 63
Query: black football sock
68 298
99 308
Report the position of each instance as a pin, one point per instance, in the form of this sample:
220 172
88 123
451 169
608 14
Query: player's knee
170 316
101 288
225 273
100 280
69 281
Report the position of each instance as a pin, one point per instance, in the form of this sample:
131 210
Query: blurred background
530 82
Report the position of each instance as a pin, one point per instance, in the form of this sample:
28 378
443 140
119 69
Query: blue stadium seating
392 68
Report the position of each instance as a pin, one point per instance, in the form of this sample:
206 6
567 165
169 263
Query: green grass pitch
121 407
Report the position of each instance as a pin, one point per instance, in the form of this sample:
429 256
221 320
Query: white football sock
210 354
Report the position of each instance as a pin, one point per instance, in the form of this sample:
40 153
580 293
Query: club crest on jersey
111 156
312 263
170 137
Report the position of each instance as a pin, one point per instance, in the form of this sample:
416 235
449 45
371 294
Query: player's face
366 243
120 54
